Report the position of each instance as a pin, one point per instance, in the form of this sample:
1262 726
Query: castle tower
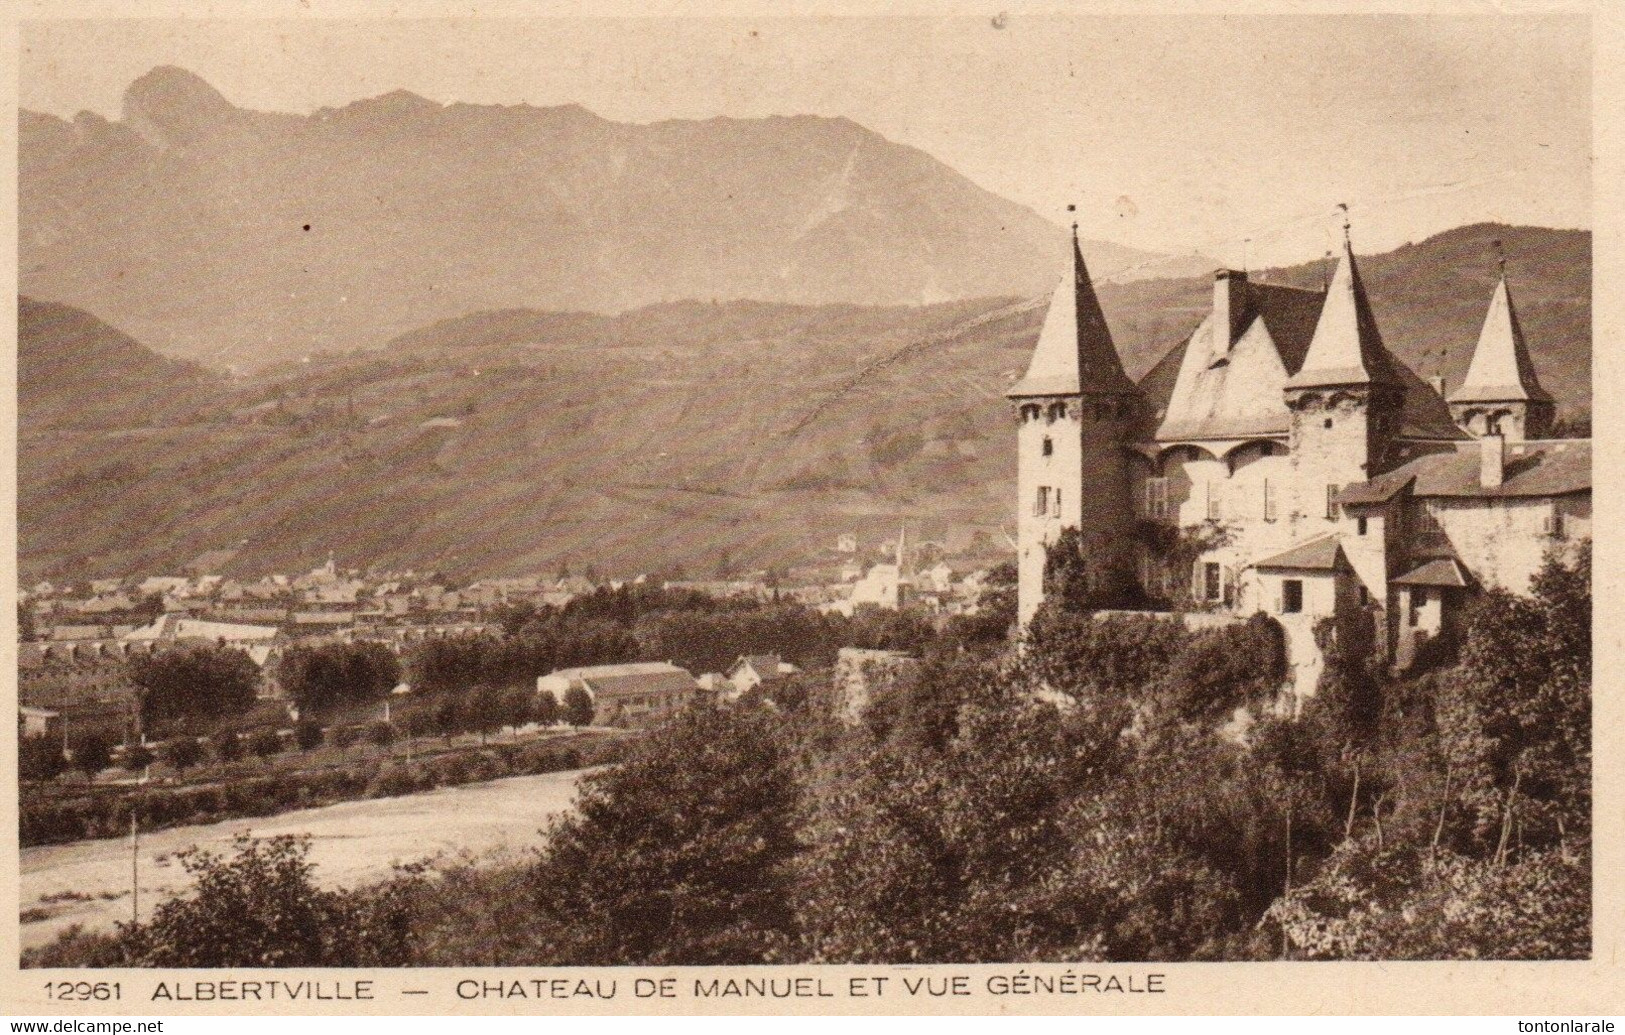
1076 409
1501 394
1346 399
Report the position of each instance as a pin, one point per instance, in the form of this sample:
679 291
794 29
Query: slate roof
1075 353
1443 571
1533 469
1347 348
1243 396
1501 370
1322 554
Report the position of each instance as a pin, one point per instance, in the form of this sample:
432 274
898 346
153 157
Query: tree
40 758
265 743
327 678
185 685
92 754
676 864
487 711
226 745
262 908
545 709
183 753
307 734
136 758
578 707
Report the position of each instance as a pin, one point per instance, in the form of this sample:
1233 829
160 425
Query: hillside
683 433
73 370
237 237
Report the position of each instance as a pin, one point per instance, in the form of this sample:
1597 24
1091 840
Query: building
1310 472
753 670
633 694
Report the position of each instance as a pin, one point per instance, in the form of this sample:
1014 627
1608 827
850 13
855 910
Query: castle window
1057 502
1269 502
1049 445
1552 524
1328 423
1212 581
1362 526
1156 498
1041 504
1291 596
1331 502
1212 503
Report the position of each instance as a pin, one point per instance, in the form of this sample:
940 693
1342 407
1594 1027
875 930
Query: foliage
187 685
307 734
92 754
262 908
226 745
183 753
325 678
675 864
578 707
40 758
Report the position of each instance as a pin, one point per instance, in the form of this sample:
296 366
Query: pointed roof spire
1347 348
1075 354
1500 370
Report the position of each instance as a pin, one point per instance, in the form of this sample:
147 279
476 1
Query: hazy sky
1180 134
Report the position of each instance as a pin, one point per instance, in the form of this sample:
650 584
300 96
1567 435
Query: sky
1235 137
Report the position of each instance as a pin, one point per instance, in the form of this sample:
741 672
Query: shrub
265 743
381 733
40 758
343 736
183 753
578 707
226 745
136 757
307 734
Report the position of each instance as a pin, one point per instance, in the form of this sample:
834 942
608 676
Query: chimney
1229 306
1437 381
1492 460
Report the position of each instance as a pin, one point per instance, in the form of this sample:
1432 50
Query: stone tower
1076 411
1501 394
1346 401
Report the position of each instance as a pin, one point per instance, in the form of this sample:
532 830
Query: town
82 708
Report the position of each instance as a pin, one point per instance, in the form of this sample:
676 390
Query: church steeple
1347 348
1501 392
1075 354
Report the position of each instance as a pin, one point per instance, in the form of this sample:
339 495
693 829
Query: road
352 843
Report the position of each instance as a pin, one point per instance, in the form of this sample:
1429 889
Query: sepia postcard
814 508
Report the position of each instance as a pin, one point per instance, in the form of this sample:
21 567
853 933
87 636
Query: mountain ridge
232 236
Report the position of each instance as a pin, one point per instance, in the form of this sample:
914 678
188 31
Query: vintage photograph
979 488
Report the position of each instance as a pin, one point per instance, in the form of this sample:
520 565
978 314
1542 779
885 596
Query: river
352 843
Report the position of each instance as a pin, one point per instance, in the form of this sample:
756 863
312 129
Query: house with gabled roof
1320 477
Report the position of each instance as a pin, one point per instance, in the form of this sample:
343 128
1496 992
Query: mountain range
237 237
703 434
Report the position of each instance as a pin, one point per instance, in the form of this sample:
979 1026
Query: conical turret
1501 392
1075 354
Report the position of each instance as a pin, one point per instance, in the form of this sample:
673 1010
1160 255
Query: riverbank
352 844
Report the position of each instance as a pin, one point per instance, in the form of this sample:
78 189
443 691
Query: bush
226 745
262 908
92 754
307 734
343 736
40 758
265 743
183 753
578 707
381 733
136 758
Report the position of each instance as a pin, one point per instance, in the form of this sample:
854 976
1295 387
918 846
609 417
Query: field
353 843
